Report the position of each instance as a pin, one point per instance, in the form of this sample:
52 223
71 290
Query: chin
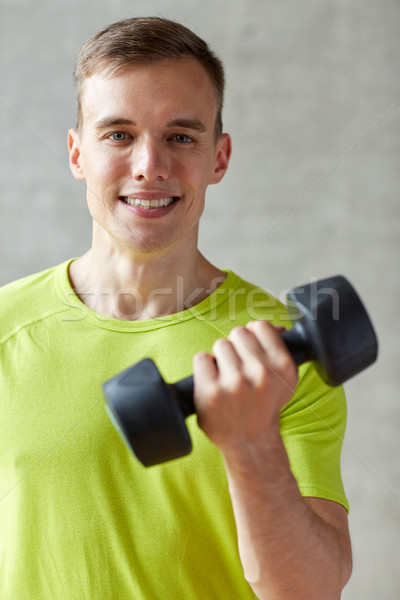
148 246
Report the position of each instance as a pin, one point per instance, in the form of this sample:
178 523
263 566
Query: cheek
101 178
101 167
196 172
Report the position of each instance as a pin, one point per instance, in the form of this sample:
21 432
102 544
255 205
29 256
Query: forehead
156 90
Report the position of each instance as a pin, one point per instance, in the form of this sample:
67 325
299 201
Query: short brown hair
146 40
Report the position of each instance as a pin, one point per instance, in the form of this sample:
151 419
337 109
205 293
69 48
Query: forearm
291 549
287 550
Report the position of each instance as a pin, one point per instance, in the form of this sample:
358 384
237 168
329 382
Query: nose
150 161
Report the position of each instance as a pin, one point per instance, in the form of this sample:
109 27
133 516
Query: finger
226 356
263 352
269 336
251 324
278 358
205 367
247 346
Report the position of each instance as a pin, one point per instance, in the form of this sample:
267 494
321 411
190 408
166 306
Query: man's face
147 151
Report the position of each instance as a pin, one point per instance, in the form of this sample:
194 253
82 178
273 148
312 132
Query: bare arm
290 547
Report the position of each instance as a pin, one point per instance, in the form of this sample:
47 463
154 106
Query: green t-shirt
80 517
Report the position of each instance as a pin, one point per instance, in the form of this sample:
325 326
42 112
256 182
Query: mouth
149 204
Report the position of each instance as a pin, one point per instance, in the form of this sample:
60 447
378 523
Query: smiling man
147 166
258 508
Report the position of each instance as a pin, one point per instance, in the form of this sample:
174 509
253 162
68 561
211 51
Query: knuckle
201 357
220 344
236 332
263 326
259 324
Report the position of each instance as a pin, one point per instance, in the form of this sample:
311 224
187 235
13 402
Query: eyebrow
194 124
185 123
112 121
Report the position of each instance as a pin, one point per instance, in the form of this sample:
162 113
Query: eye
181 138
118 136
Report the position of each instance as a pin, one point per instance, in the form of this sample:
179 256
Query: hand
240 390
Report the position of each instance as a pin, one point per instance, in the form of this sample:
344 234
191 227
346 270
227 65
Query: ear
222 156
75 155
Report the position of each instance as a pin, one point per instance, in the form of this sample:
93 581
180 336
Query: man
258 508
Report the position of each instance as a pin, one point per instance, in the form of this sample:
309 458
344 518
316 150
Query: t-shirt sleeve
312 428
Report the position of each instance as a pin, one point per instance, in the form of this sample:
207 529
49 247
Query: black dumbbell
330 327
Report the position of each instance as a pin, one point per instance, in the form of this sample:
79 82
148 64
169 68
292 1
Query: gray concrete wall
313 105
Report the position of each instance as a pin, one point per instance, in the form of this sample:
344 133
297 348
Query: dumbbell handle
295 342
298 345
183 392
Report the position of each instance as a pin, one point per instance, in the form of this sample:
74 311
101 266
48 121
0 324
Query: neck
129 285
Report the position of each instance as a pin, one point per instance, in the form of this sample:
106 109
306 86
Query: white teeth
148 203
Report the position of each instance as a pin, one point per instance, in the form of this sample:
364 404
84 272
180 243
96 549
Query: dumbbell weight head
331 328
149 414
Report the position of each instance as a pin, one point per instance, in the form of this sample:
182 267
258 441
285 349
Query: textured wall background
313 104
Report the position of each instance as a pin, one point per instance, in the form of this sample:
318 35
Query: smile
158 203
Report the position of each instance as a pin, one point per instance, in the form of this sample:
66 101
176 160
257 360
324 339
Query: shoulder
29 299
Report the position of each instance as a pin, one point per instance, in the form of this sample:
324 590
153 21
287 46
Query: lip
148 195
149 213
